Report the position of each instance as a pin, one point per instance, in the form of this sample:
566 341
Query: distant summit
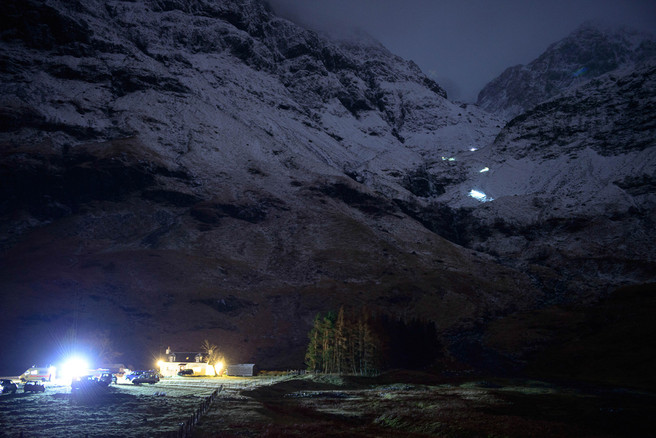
588 52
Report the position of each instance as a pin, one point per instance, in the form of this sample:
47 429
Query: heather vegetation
364 343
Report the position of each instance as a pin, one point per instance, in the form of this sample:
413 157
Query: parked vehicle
186 372
133 375
106 379
86 384
8 387
34 386
150 378
103 376
44 374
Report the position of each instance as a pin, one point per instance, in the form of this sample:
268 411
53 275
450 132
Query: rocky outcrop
176 171
569 183
589 52
611 115
181 171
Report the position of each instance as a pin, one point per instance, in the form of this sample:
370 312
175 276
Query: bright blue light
480 196
580 72
74 367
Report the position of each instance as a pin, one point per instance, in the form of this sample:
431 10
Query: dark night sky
463 44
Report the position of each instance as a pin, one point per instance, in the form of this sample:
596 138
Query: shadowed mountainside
177 171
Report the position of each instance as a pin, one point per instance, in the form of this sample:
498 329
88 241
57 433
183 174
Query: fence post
185 429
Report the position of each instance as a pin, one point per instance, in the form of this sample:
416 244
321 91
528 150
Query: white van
38 373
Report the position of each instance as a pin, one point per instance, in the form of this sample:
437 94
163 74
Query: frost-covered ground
408 404
416 405
123 411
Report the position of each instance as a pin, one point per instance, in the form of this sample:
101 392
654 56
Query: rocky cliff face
566 189
587 53
175 171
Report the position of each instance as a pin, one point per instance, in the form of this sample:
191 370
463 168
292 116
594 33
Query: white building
176 361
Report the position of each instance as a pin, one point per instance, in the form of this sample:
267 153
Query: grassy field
120 411
389 407
402 404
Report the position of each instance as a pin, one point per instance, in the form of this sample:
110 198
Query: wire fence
186 428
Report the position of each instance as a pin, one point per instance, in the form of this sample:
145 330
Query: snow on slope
191 82
160 157
569 184
588 52
585 142
167 157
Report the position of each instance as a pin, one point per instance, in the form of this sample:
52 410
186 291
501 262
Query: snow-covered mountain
588 52
568 185
175 171
180 170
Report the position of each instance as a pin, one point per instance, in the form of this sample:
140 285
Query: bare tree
212 354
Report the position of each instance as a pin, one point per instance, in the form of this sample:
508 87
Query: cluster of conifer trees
364 343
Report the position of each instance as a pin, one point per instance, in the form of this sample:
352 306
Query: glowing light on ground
485 169
480 196
473 149
74 367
